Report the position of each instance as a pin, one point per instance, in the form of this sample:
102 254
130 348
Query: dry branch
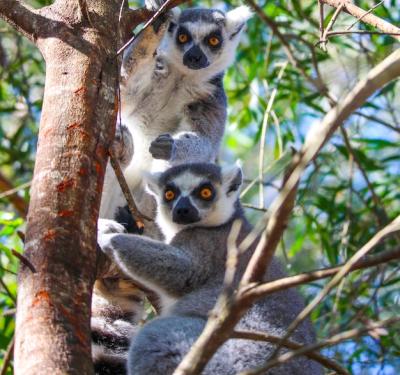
334 340
366 16
258 290
262 336
393 227
7 357
8 191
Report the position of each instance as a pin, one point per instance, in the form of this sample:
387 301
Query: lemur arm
151 262
141 52
199 134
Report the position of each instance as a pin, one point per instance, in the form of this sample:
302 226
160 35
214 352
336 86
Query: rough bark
78 40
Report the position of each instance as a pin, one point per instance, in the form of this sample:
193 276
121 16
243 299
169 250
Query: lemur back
197 205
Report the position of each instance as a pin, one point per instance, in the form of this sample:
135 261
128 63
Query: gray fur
188 274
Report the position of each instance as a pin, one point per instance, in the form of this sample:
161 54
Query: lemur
172 97
173 111
197 206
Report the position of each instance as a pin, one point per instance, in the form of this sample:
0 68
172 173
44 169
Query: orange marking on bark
83 171
74 125
101 151
49 235
74 321
81 89
66 184
98 167
41 297
65 213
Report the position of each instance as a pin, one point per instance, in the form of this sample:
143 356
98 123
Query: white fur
218 214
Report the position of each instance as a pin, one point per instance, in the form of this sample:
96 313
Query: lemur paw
107 226
162 147
122 145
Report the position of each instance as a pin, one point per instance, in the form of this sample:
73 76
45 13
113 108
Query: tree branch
331 341
366 16
21 16
8 191
263 336
261 290
393 227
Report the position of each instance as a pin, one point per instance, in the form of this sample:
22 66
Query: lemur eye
213 41
183 38
206 193
169 195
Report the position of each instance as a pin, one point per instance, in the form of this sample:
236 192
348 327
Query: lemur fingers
162 147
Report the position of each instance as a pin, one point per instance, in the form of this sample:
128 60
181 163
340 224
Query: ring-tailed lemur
172 97
174 105
197 205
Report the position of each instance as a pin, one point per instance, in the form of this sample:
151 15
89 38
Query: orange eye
169 195
213 41
183 38
206 193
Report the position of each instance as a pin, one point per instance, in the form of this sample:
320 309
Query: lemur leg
161 345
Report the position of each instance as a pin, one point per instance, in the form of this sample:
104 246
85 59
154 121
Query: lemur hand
162 147
106 229
122 145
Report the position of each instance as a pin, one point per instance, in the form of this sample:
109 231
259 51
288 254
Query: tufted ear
152 182
173 15
232 178
236 20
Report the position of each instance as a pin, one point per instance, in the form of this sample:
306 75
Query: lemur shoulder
197 206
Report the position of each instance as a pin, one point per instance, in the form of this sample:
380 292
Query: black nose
195 59
184 212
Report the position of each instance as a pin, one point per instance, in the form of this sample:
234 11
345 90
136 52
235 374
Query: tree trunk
78 40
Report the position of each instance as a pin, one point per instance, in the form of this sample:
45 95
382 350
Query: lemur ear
151 181
174 17
232 178
236 19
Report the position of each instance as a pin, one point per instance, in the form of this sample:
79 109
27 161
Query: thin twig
15 190
379 209
365 14
262 336
366 32
147 24
137 215
332 21
7 356
369 19
264 133
24 260
393 227
257 290
253 207
321 19
8 292
334 340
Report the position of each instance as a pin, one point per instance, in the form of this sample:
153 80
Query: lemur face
205 38
196 194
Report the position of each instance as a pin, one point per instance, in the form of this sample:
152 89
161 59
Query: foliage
347 195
